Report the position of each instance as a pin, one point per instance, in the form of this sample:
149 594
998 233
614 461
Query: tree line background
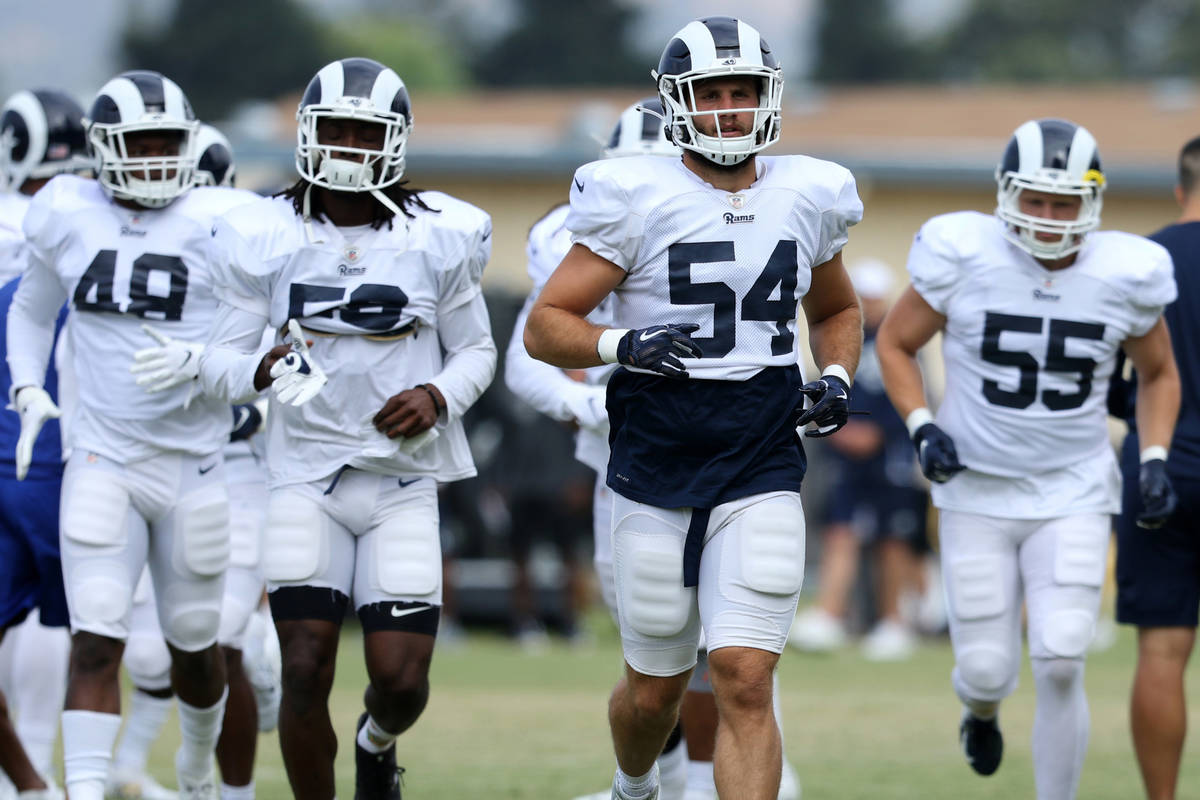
565 44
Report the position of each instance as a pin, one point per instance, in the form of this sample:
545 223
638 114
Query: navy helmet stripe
360 75
724 32
615 140
1057 137
215 160
64 120
105 111
150 85
651 125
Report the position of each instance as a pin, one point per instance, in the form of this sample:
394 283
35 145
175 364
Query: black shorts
879 511
1158 571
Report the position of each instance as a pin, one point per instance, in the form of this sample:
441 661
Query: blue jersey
1183 322
47 450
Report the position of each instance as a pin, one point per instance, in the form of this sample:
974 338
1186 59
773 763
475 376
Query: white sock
373 738
672 770
237 792
147 715
88 738
700 777
637 788
1060 727
199 729
39 677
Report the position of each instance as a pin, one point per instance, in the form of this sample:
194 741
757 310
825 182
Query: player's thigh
1063 564
1158 571
751 571
398 570
103 542
248 500
189 553
239 602
983 583
657 615
308 555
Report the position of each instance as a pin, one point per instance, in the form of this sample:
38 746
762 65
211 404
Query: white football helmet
1055 156
214 158
716 47
640 132
362 89
135 102
41 135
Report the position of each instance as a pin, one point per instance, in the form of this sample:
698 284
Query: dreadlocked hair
398 193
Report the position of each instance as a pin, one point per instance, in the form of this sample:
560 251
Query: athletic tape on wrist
606 347
916 419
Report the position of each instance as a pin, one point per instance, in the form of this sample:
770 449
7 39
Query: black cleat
982 743
376 776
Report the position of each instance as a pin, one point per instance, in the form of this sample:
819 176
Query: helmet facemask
365 170
1022 229
678 95
154 181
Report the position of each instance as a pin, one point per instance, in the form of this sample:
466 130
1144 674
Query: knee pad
649 581
772 546
294 540
987 672
1068 632
408 555
100 597
976 588
202 538
235 617
148 662
191 626
1063 673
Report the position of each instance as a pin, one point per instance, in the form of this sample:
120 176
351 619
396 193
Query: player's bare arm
557 331
907 328
834 317
1158 385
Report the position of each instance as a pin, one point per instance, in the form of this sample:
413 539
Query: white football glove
170 364
35 407
296 378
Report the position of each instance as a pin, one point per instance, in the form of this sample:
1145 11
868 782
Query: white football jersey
1028 354
735 264
545 387
352 283
120 268
13 206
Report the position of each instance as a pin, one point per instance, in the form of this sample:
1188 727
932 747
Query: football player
252 704
384 281
144 482
1158 585
558 394
41 135
1033 305
707 259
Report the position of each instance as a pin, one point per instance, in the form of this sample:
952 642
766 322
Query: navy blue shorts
879 511
1158 571
30 569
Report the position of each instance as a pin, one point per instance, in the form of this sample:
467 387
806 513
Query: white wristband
916 419
606 347
1152 452
837 371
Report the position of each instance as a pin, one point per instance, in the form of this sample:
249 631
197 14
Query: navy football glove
935 451
1158 497
658 348
247 419
830 408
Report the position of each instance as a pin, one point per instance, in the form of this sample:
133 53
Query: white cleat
604 795
196 787
617 794
128 784
50 793
815 631
889 641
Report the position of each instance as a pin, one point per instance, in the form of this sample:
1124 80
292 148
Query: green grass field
504 724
